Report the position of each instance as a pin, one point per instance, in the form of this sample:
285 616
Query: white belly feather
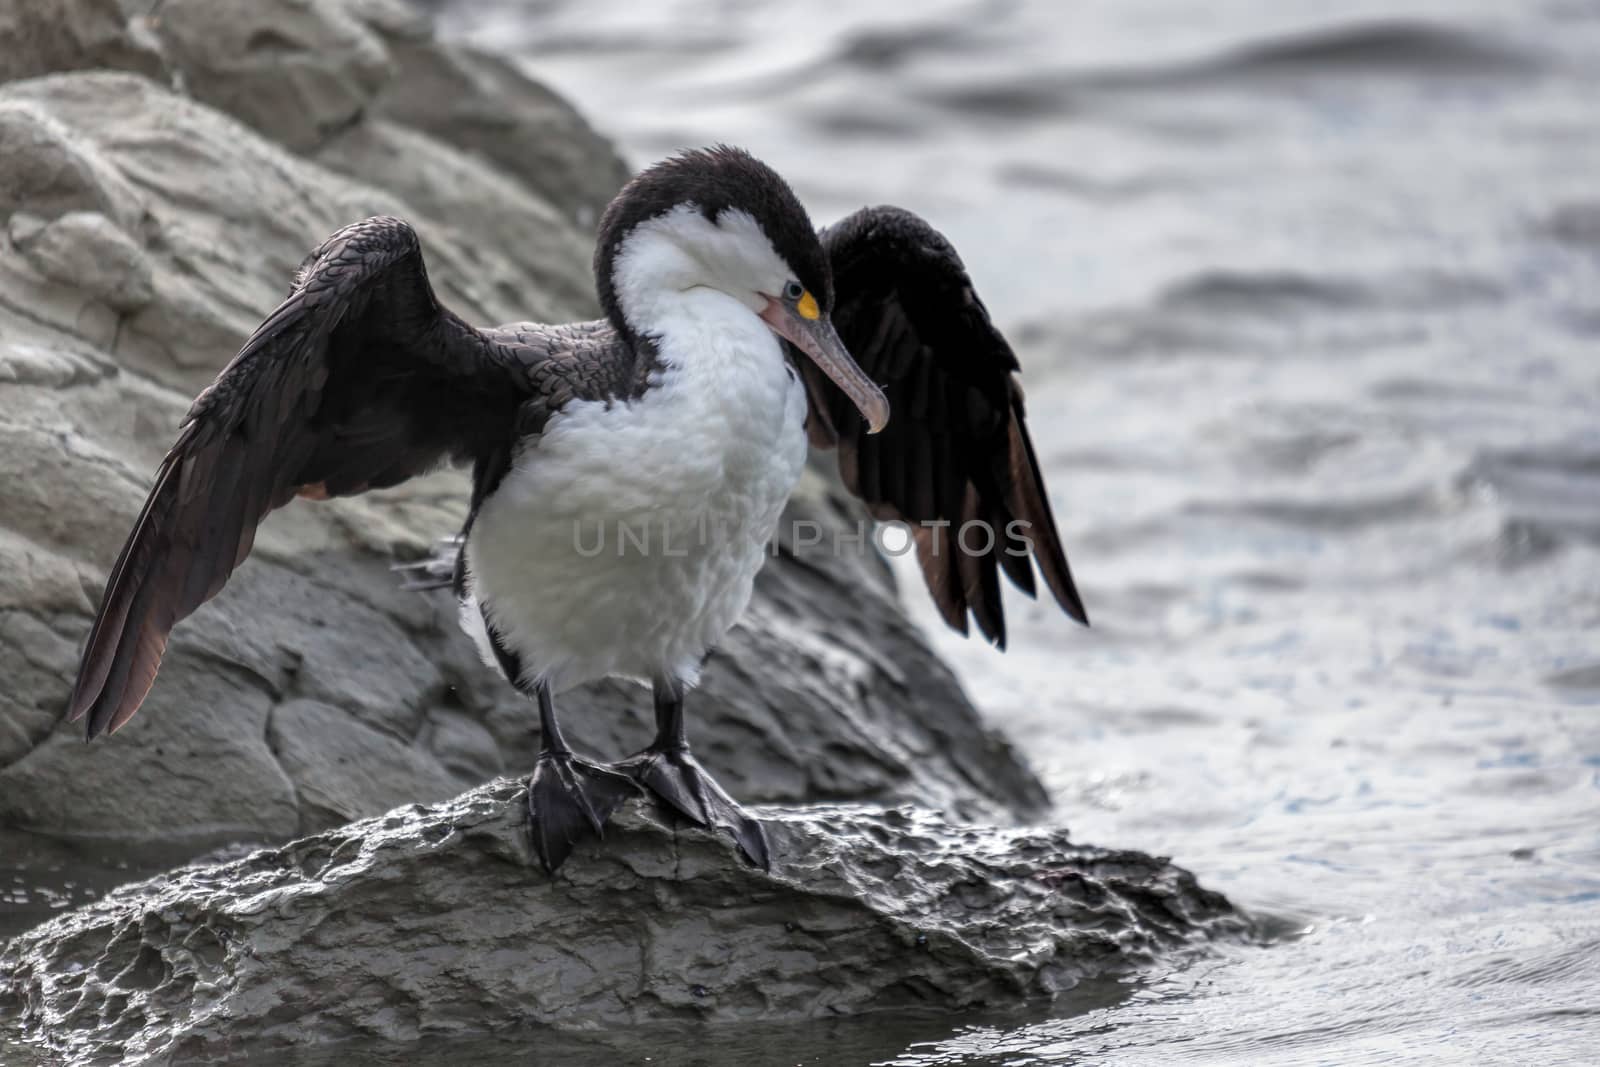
626 539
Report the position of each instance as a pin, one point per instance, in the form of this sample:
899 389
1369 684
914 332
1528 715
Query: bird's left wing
358 380
955 461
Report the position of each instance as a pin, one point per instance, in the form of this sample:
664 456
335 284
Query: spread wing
955 461
359 380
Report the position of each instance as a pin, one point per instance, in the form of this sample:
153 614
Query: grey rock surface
430 922
150 217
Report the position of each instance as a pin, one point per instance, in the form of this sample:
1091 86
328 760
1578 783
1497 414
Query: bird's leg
567 796
669 771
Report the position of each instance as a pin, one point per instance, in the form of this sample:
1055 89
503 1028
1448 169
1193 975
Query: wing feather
956 449
358 379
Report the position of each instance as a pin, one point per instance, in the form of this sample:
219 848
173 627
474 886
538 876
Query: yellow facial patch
807 306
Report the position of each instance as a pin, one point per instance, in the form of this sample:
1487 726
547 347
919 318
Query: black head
714 180
719 220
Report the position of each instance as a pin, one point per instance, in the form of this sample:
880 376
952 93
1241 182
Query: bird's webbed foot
569 797
668 770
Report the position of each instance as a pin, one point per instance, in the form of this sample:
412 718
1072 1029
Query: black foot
677 778
569 797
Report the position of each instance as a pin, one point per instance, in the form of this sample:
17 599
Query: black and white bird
733 333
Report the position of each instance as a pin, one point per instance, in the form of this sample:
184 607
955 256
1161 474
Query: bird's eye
793 291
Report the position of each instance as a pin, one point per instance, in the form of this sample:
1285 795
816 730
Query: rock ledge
437 921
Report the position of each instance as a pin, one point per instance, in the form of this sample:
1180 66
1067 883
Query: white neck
708 342
681 254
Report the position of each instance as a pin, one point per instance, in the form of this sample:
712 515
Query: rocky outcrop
438 922
150 216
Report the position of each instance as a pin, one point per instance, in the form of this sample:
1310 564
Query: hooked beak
817 339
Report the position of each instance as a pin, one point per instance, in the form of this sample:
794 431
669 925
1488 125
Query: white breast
626 539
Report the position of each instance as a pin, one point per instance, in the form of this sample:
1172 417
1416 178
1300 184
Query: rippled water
1308 299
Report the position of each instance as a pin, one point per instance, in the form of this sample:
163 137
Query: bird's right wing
359 380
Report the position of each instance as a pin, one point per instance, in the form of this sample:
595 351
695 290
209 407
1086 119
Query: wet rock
437 922
148 225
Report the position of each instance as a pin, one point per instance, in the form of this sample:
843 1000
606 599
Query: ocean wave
1413 49
1576 224
1553 489
1329 512
1397 49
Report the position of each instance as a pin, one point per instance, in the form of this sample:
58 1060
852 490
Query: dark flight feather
359 379
956 448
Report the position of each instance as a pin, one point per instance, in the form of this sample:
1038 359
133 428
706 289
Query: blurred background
1307 298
